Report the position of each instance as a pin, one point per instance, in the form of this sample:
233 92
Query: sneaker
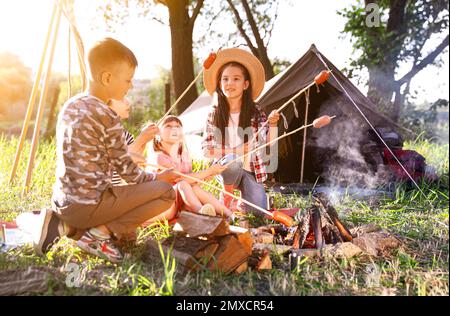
49 229
100 247
208 209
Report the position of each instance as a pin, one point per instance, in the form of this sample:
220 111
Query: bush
426 122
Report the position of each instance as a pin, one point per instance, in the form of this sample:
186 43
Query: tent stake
32 99
42 100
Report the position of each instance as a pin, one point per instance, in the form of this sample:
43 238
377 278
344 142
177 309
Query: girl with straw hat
235 122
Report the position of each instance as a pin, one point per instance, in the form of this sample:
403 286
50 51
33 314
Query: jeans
245 182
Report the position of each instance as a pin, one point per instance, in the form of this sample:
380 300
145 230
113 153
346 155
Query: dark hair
222 112
157 145
107 52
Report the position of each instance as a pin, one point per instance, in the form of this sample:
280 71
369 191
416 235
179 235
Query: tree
398 35
254 22
182 15
15 86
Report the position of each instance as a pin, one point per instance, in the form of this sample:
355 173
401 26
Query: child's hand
168 176
274 116
149 132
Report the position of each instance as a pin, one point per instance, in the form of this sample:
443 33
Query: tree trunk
381 87
382 83
262 49
182 57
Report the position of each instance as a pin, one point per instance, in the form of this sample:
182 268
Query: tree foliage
15 86
253 21
181 17
405 31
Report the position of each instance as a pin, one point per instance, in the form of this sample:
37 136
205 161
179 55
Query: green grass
419 267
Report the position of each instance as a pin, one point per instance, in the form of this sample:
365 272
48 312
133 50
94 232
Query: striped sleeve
129 139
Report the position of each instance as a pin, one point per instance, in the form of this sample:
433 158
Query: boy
90 145
136 146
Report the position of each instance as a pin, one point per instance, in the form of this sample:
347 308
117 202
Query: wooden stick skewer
180 97
277 139
283 218
319 79
281 108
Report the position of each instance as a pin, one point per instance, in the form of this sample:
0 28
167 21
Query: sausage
322 77
322 121
283 218
209 61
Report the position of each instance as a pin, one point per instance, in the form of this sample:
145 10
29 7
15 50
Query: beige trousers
121 208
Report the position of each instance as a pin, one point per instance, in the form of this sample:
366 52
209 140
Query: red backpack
413 162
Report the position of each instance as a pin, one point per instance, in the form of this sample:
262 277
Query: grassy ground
419 267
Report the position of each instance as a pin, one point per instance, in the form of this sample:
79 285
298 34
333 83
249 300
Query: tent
345 152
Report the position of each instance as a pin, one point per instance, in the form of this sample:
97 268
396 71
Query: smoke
340 149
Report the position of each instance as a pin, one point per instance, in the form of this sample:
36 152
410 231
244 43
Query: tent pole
68 11
42 100
32 100
69 66
304 136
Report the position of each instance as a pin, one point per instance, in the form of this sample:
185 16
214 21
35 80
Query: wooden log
196 225
229 256
190 253
242 268
265 263
274 248
263 238
205 254
260 260
296 239
244 237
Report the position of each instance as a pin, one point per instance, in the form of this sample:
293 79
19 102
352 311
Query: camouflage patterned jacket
90 144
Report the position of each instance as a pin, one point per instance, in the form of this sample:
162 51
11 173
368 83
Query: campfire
204 242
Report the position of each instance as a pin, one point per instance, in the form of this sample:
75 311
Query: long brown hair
157 145
248 109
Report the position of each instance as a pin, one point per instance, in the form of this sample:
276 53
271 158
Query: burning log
329 209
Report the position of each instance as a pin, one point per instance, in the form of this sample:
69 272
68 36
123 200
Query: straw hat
248 60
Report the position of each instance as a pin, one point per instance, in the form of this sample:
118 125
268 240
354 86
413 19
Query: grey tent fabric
335 154
302 73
